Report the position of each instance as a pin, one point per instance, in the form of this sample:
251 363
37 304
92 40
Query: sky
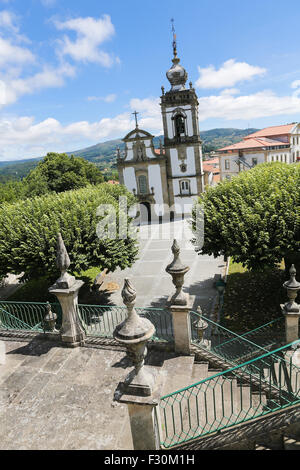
72 72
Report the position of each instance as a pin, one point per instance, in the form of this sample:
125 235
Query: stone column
2 353
66 289
179 304
139 390
291 309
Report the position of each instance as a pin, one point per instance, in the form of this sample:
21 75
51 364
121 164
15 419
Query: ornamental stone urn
134 333
177 270
66 289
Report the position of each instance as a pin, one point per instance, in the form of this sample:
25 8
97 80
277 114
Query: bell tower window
179 125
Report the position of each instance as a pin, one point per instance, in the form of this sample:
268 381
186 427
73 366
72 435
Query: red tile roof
272 131
263 138
211 165
254 143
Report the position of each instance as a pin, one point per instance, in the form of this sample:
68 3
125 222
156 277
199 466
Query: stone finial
177 270
292 286
128 293
134 332
50 318
65 281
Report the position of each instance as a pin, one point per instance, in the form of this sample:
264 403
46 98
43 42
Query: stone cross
135 115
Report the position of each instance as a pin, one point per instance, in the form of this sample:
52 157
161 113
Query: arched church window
179 125
142 184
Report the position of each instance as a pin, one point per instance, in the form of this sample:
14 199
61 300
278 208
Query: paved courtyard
153 284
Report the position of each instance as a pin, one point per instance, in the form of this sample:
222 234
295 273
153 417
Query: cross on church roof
135 114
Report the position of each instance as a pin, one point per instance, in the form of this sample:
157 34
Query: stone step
178 370
291 443
200 371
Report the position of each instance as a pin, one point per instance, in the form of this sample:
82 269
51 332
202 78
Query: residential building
272 144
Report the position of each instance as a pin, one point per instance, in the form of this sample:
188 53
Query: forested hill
104 154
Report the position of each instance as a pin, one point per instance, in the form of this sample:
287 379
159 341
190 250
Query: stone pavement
56 398
148 275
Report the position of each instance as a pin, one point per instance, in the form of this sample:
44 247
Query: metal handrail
219 402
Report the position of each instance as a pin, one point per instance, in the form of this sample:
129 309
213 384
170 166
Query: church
167 180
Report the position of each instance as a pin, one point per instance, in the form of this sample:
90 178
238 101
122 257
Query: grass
252 299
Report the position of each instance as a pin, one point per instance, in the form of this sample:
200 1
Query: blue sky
72 72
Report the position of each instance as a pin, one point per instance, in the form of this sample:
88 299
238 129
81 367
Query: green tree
59 172
29 228
255 217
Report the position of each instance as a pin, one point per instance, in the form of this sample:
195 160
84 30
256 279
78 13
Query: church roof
138 134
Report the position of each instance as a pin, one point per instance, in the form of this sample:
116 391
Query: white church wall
155 182
129 178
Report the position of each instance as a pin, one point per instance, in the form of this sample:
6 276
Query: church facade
168 179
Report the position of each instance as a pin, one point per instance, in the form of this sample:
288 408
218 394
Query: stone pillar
139 390
179 304
2 353
291 309
145 424
66 289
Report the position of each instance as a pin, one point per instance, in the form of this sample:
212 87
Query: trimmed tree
255 217
29 228
60 172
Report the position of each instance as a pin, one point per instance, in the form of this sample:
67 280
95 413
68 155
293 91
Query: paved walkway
153 284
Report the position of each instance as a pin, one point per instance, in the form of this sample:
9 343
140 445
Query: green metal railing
232 347
27 316
231 397
102 320
97 320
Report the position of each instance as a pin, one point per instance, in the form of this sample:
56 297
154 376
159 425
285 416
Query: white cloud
8 20
90 34
48 77
230 73
11 54
257 105
295 84
22 137
108 98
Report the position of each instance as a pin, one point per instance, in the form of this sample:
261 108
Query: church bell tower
182 143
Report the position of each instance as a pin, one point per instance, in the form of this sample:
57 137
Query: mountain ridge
103 154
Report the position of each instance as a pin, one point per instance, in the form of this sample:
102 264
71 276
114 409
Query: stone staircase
230 399
59 398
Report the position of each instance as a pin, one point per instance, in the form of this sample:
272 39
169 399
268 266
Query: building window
227 164
142 184
185 187
254 161
183 167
